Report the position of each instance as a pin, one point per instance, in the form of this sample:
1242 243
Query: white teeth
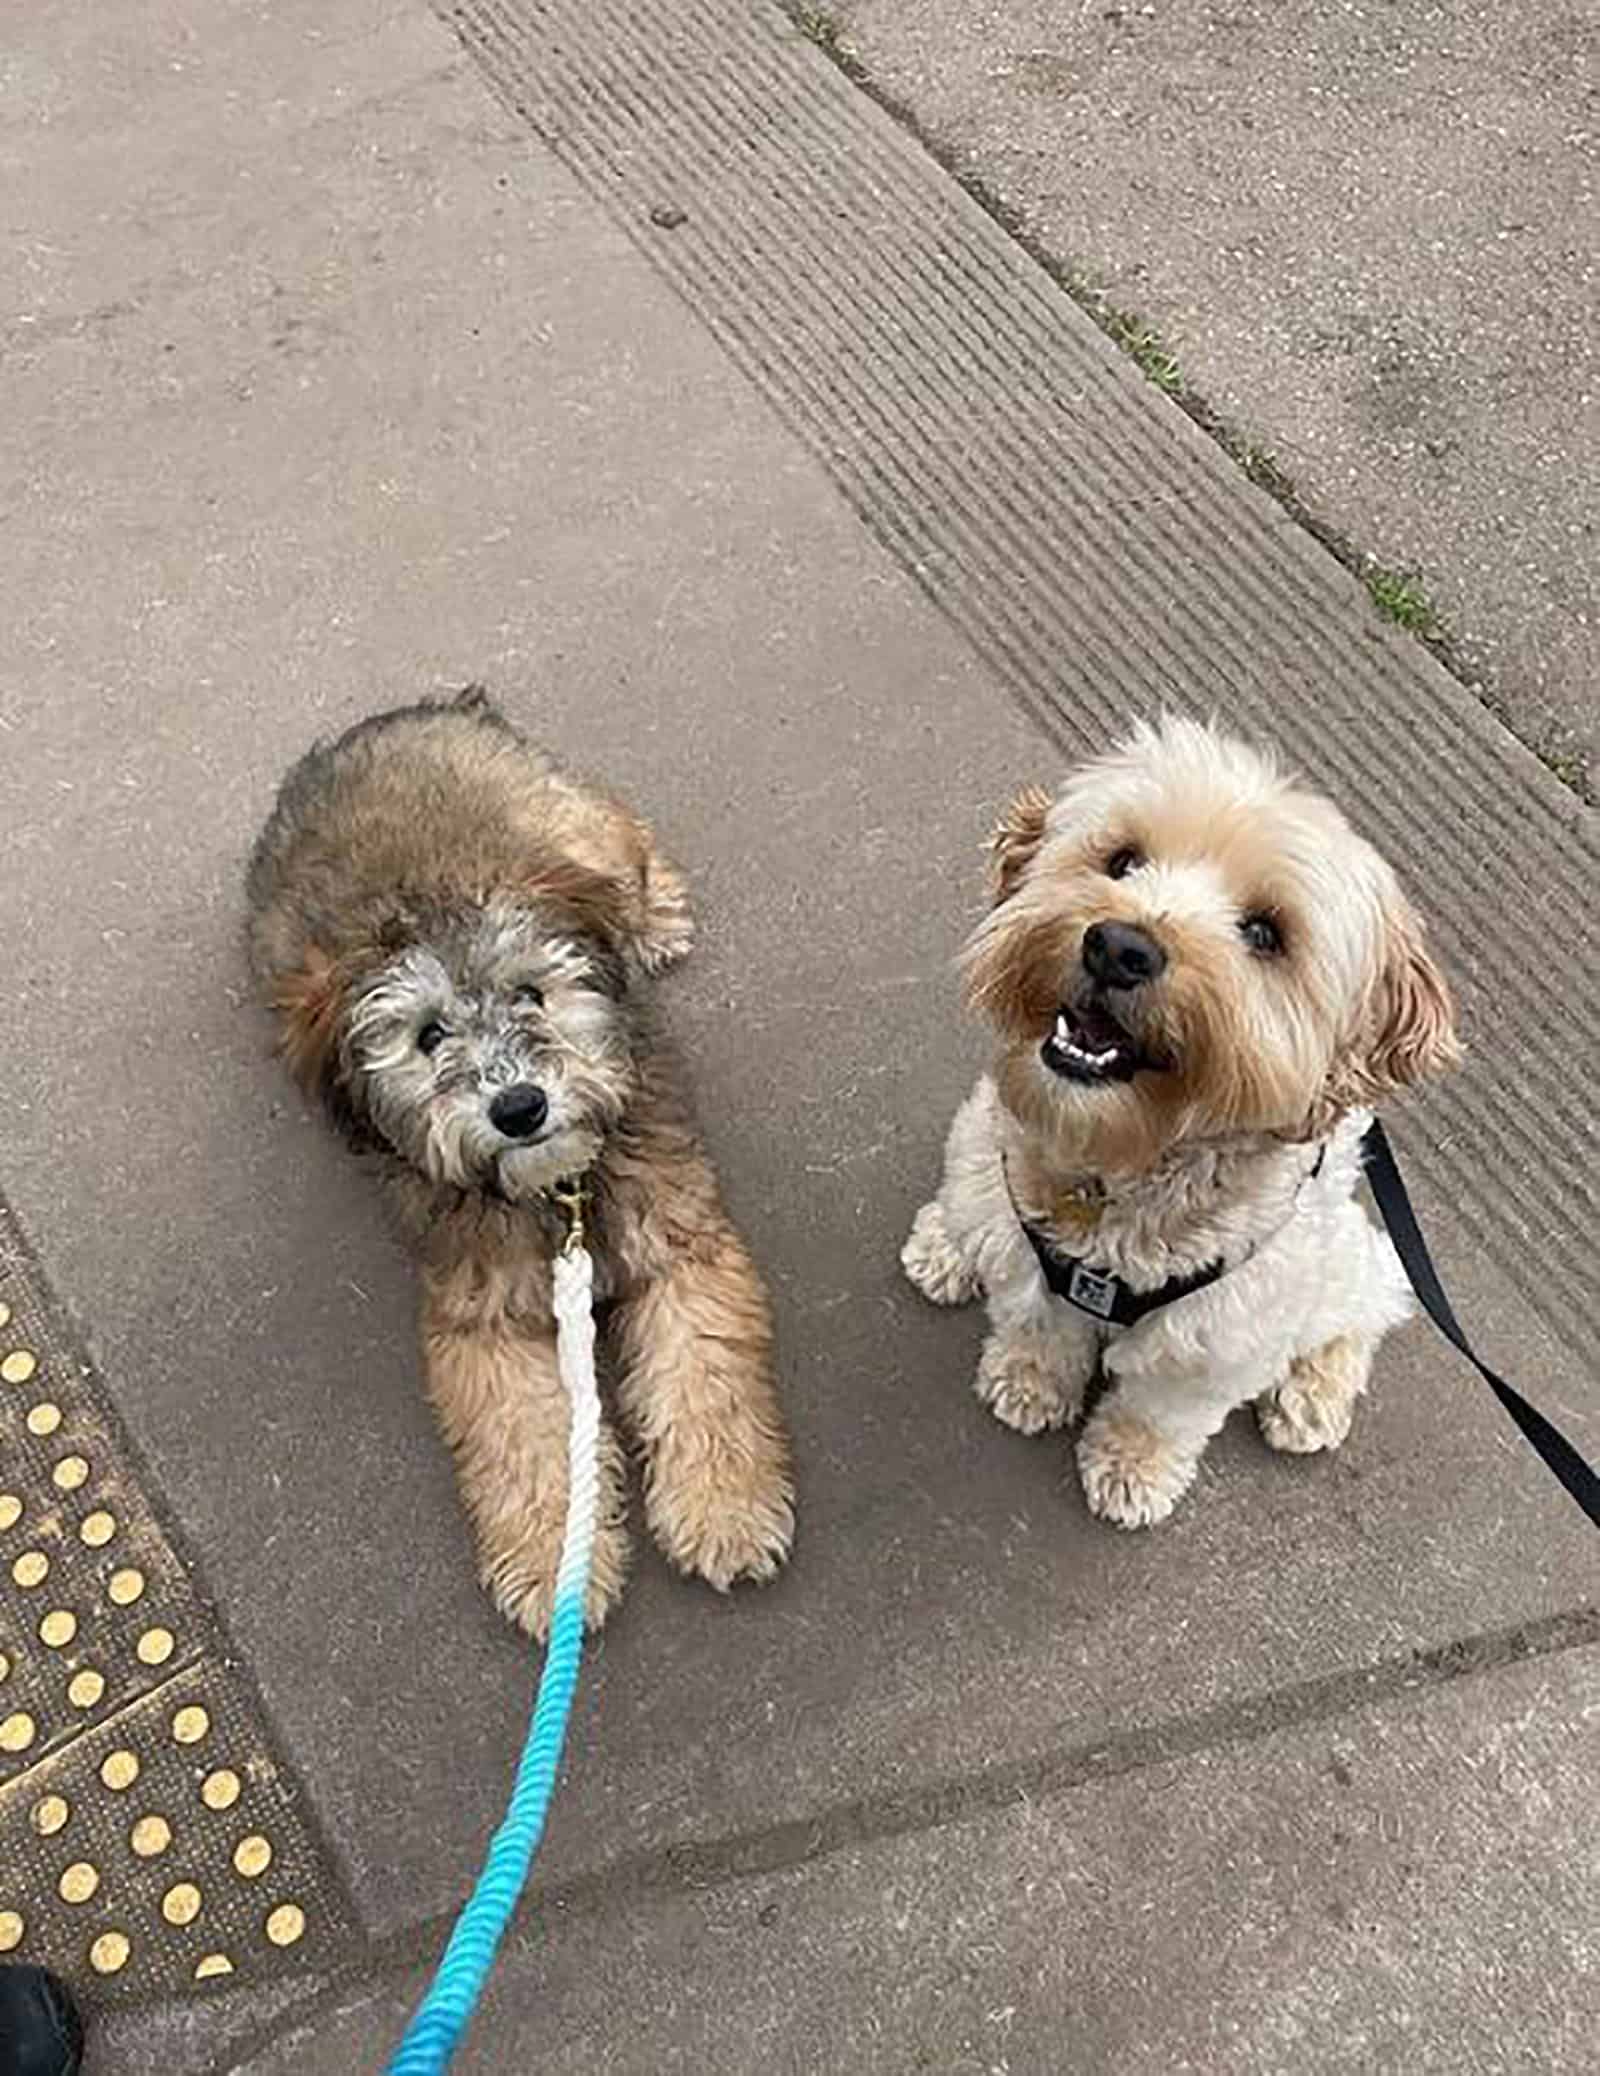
1080 1055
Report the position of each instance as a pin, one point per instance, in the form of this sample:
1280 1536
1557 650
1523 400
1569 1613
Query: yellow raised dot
70 1473
32 1568
19 1365
150 1837
220 1790
85 1688
119 1770
10 1510
58 1628
78 1882
190 1724
49 1815
212 1964
181 1904
286 1924
252 1856
98 1528
109 1953
12 1928
126 1585
17 1732
155 1647
44 1418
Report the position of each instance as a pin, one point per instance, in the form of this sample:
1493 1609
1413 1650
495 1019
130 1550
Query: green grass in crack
1401 598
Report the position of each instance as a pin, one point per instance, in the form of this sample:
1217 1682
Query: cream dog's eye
1261 932
1121 863
431 1036
527 997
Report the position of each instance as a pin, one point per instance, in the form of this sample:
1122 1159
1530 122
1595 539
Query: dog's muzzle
1090 1043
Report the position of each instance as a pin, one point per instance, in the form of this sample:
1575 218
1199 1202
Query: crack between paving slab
877 1818
22 1785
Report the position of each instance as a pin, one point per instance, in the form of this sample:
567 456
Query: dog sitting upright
1199 976
456 940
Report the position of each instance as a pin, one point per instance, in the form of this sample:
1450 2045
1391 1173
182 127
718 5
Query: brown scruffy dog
457 942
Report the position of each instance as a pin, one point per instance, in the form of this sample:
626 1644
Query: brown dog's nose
1119 956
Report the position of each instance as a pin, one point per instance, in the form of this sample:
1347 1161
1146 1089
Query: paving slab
430 413
1325 1899
1364 232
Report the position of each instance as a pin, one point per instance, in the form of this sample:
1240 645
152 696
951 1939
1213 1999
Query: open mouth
1088 1044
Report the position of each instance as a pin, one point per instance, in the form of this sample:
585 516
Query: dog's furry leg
1312 1408
695 1342
945 1251
934 1263
1032 1377
501 1406
1142 1446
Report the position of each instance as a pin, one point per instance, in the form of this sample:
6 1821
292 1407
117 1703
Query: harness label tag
1092 1293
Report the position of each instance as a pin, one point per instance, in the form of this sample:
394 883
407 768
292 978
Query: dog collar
1105 1296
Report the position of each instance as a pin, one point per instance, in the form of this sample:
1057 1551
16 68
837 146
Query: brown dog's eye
1121 863
1260 931
527 997
431 1036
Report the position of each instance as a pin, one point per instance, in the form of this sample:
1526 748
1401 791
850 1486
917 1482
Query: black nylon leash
1389 1194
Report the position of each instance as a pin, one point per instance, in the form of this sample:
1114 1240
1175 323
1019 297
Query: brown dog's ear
1407 1031
1016 840
307 1002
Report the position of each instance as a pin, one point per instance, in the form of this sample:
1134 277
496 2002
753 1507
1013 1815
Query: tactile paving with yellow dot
151 1837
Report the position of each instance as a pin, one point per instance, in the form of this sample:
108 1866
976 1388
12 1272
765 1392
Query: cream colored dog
1200 977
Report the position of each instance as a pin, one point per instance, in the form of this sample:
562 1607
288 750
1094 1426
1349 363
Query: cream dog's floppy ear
1016 840
1407 1029
1414 1018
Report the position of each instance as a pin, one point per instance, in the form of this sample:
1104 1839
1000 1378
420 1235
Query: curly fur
1235 1136
439 918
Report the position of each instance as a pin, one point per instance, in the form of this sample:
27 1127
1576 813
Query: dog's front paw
1133 1475
725 1516
1313 1407
1023 1380
933 1263
520 1577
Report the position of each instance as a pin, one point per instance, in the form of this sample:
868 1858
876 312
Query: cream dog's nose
1118 955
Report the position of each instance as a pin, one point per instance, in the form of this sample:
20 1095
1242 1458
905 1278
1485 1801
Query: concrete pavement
330 381
1366 233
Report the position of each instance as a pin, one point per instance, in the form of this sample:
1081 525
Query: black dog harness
1107 1298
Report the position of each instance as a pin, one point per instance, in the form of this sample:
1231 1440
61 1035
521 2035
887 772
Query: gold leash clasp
571 1198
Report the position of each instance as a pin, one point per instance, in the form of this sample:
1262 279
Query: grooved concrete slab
1326 1900
428 414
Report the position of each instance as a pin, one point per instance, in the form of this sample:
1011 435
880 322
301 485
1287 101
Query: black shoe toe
41 2033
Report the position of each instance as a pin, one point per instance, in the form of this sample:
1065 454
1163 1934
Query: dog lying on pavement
457 941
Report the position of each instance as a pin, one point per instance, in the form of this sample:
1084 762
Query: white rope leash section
441 2019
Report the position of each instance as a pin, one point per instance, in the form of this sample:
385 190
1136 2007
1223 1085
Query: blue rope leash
441 2018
